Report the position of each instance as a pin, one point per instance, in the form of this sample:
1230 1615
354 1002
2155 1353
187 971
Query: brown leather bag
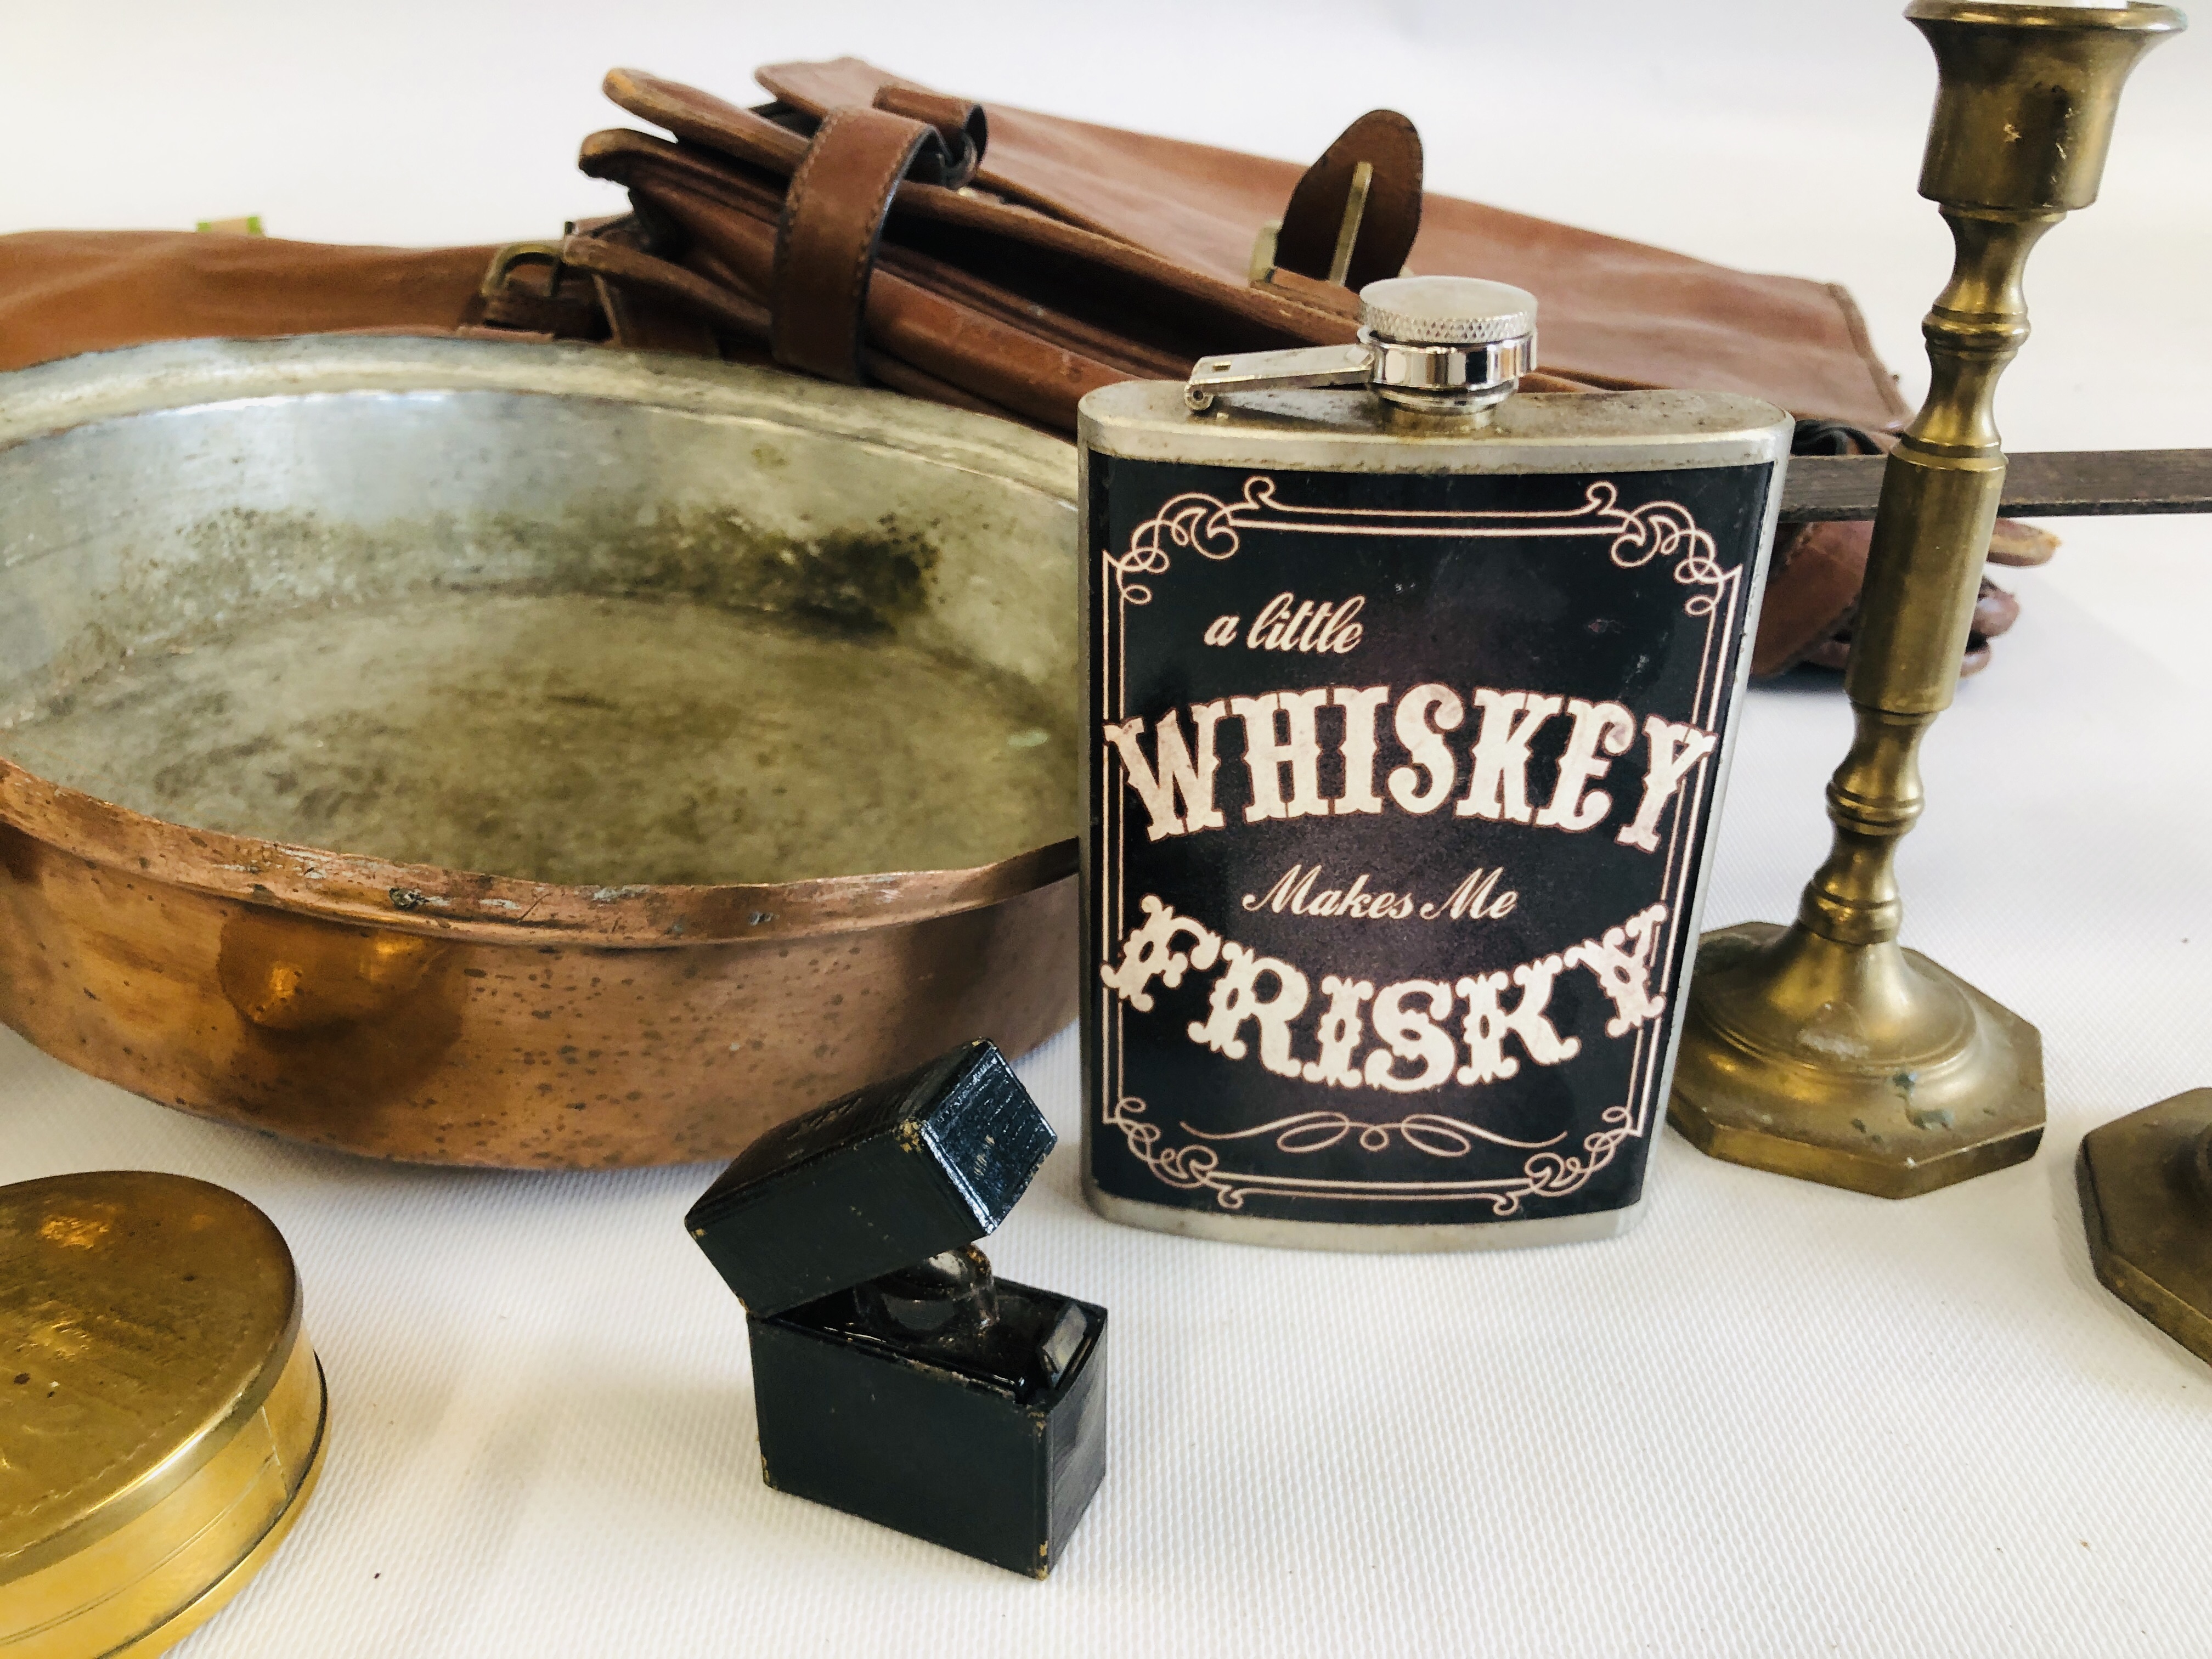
876 228
862 228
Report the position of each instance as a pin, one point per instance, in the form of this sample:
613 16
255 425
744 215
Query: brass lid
162 1414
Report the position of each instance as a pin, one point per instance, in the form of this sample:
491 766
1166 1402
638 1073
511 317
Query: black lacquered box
894 1377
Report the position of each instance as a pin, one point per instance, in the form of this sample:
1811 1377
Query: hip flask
1410 704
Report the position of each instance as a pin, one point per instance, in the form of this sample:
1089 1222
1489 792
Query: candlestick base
2146 1182
1859 1066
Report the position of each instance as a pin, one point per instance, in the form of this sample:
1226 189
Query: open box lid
883 1178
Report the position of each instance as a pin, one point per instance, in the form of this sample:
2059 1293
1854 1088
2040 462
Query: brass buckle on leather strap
504 261
1261 268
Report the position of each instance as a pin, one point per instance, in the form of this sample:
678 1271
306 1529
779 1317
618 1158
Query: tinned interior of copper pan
581 618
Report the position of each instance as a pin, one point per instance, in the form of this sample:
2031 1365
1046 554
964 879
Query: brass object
1347 229
504 260
162 1417
1261 264
2146 1184
563 908
1824 1050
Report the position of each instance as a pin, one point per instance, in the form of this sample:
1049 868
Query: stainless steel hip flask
1410 701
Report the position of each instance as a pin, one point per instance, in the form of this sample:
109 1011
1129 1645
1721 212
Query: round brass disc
161 1415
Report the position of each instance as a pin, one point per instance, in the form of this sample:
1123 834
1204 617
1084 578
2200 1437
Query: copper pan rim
418 898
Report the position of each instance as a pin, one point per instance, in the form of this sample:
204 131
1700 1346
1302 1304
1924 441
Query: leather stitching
818 326
794 203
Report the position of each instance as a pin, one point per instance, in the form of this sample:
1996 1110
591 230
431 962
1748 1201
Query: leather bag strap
832 222
669 283
960 125
1385 221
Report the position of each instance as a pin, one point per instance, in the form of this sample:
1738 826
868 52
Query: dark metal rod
2049 484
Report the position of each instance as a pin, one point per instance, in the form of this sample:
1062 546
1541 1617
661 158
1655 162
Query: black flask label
1398 793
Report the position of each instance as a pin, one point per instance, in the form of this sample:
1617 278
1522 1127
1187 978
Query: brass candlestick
2146 1182
1824 1050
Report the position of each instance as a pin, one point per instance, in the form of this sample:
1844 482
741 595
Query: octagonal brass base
2146 1182
1864 1066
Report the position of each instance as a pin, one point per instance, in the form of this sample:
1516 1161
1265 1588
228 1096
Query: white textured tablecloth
1776 1418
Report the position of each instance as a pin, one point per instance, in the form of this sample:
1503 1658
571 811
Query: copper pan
667 922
